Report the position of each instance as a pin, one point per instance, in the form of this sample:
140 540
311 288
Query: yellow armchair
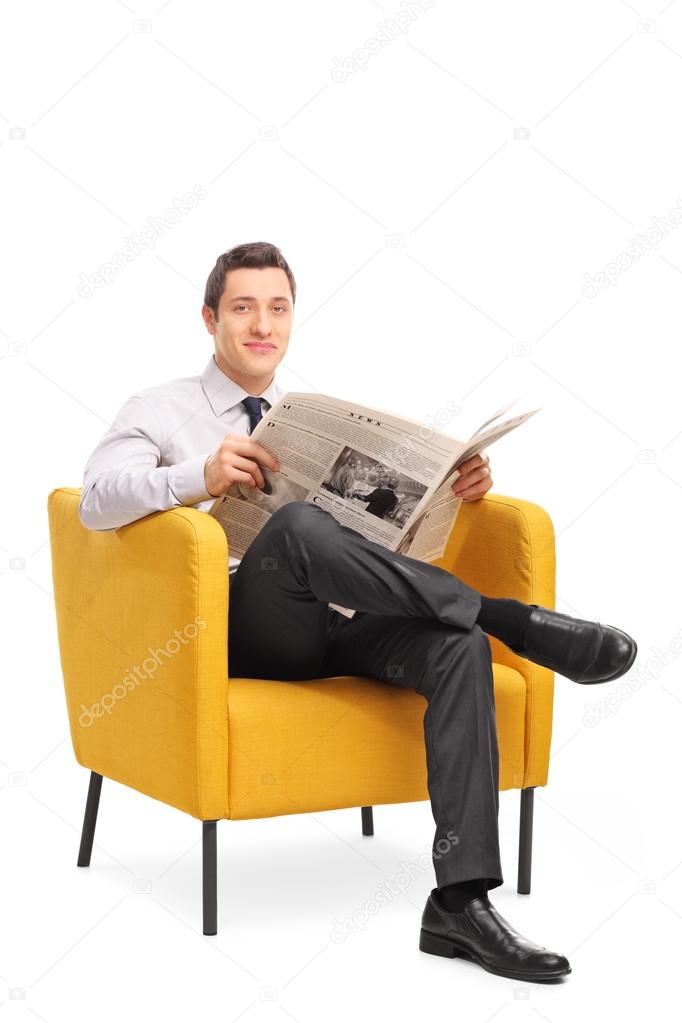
142 621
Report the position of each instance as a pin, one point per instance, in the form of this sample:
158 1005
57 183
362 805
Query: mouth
261 346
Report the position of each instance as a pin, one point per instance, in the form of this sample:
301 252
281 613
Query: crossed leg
304 559
415 627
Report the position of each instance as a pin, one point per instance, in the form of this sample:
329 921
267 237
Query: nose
261 325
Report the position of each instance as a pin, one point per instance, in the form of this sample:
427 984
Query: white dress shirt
153 455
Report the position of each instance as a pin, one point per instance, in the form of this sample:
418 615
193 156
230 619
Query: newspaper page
429 533
388 477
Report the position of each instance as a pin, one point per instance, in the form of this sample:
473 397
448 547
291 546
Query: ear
209 319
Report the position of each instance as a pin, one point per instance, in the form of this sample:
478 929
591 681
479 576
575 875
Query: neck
253 385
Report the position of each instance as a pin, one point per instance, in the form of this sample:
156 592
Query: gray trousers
415 627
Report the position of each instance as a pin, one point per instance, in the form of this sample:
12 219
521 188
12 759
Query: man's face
254 321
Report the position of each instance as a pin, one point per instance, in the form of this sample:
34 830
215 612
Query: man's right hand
236 461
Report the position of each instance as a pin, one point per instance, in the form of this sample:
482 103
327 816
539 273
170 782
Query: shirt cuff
186 480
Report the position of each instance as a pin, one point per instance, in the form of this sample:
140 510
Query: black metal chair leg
367 820
90 819
210 876
525 840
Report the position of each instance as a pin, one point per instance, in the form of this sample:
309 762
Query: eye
238 307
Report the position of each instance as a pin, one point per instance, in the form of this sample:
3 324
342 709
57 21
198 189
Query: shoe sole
437 945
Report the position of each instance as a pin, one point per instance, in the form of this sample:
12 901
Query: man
382 499
186 442
345 478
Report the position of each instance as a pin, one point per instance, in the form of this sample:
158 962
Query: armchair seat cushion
300 747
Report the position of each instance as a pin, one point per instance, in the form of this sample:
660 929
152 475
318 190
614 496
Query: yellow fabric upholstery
118 594
303 746
142 627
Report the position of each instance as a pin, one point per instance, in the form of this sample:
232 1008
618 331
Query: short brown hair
251 255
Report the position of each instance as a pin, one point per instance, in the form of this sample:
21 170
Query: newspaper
386 476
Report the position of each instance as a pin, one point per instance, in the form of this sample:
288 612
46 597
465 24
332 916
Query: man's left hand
475 479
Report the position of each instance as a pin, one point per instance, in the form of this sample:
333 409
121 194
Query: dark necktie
253 407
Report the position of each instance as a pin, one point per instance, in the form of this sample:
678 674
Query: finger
262 455
473 493
464 483
249 466
473 463
480 466
471 477
252 449
480 488
244 478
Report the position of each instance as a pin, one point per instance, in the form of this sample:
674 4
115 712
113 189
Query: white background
441 206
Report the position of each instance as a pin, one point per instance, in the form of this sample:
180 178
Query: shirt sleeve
123 480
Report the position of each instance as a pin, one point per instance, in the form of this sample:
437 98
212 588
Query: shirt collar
223 393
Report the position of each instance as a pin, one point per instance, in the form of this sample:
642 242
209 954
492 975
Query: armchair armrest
504 547
142 627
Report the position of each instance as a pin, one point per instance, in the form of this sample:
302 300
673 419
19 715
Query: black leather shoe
480 934
583 651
